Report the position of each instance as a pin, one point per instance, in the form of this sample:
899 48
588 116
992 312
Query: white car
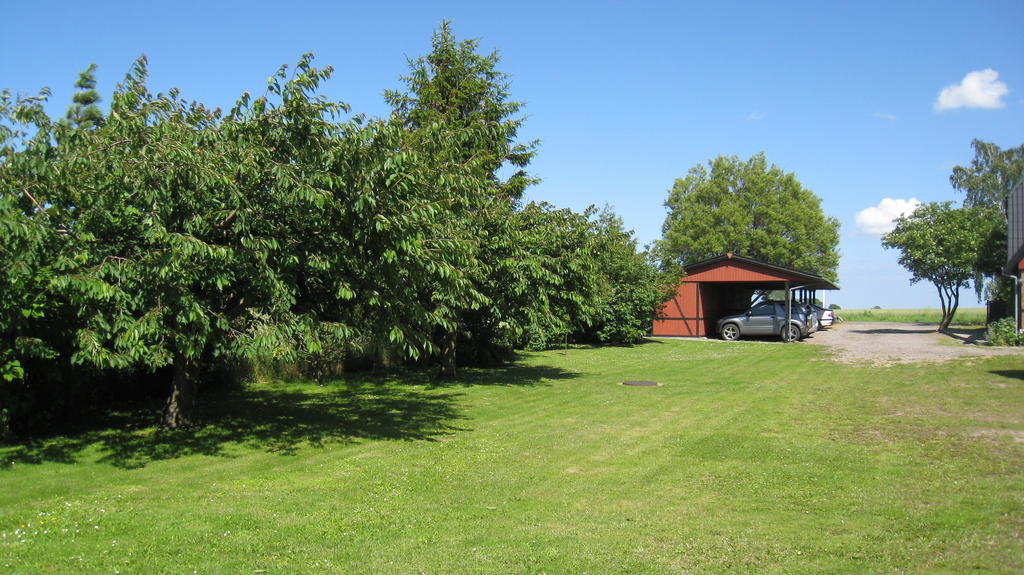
826 317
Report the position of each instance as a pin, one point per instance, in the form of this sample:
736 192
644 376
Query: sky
870 104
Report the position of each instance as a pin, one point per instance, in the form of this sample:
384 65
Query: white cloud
978 89
880 219
882 116
755 116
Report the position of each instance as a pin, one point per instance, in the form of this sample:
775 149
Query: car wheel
791 332
730 332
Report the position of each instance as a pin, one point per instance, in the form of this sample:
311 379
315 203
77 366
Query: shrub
1004 332
543 334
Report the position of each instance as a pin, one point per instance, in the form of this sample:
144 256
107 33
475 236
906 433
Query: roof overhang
786 277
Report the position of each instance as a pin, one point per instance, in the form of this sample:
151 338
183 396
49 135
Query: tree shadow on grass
280 418
508 375
277 418
511 374
1010 373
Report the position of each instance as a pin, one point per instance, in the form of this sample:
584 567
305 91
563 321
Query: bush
543 334
1004 332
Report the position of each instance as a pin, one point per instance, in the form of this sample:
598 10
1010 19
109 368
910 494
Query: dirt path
887 343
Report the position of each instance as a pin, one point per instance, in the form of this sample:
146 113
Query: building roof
736 268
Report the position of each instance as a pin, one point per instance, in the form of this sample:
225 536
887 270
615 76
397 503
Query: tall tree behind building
986 182
749 208
85 112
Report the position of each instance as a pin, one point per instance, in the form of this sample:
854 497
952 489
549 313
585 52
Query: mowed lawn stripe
752 456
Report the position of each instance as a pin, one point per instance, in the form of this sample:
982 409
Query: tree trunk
945 307
954 303
448 343
179 413
950 302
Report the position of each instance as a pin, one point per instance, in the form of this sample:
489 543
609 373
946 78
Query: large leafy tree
750 208
455 88
941 244
172 224
541 279
27 308
986 182
991 175
186 237
538 268
32 318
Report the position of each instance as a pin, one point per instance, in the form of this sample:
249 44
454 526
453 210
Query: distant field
964 316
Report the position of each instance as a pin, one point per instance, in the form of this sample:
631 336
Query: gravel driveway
887 343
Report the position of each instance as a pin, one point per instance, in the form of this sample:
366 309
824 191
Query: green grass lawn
964 316
752 457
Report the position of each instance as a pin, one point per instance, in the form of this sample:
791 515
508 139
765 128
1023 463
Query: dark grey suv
766 319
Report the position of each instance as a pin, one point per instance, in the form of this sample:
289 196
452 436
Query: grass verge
752 456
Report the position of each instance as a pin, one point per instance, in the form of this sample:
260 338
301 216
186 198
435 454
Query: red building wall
712 291
680 316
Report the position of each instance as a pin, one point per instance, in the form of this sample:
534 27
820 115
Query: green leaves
987 182
752 209
84 113
168 233
942 244
990 176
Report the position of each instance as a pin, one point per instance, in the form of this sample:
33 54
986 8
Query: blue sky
625 96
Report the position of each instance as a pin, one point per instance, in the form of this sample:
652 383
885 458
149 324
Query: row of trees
165 235
953 247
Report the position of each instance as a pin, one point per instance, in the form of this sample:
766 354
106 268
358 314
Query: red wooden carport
725 285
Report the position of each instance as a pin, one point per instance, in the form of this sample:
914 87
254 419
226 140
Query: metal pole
789 313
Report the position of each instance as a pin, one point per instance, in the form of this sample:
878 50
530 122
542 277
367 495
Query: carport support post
789 313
